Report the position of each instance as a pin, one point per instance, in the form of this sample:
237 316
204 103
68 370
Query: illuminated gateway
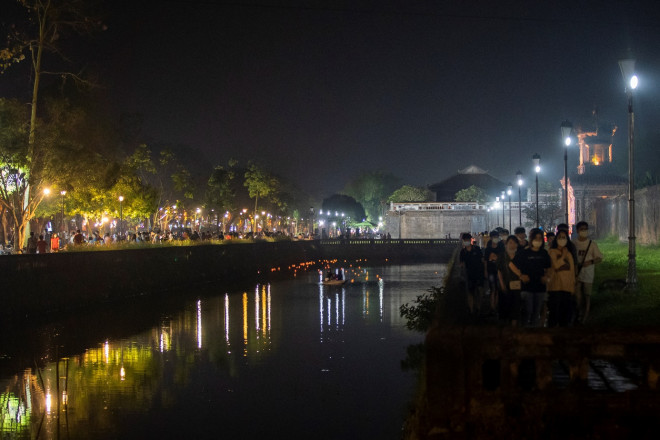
596 177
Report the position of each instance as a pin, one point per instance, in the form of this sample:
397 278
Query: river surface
288 359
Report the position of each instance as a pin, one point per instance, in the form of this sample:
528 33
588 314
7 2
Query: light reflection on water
316 361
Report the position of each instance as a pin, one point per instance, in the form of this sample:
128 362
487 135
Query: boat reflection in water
254 362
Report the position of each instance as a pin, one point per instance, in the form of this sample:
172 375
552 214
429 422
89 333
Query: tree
371 190
220 192
471 194
550 213
46 24
341 203
410 194
260 183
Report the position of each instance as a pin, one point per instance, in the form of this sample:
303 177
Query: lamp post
566 129
121 217
536 159
63 193
502 197
497 215
520 182
628 71
508 193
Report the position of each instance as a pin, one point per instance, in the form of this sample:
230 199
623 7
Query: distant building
445 191
596 177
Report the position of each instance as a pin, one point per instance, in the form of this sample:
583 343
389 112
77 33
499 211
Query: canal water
290 359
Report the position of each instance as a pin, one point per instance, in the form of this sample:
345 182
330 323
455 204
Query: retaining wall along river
34 284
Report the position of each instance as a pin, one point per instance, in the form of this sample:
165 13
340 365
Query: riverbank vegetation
612 306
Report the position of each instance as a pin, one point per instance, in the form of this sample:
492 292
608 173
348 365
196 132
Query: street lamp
121 217
536 159
520 182
508 192
63 193
566 129
628 71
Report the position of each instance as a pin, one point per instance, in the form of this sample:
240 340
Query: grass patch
613 307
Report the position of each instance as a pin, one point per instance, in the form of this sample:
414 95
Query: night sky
322 91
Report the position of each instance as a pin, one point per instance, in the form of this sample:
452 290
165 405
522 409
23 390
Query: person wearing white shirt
588 255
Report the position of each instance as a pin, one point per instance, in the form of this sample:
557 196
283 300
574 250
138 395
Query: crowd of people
532 280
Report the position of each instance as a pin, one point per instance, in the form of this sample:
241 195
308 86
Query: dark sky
321 91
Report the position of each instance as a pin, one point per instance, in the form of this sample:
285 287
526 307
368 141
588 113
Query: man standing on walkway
472 261
588 255
32 244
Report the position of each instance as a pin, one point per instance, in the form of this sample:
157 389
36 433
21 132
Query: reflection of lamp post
508 192
536 159
520 182
121 217
62 193
628 71
566 128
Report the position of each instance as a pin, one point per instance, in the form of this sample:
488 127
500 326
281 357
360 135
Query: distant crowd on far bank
532 280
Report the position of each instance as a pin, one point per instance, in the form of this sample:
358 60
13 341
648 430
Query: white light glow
567 141
634 81
537 169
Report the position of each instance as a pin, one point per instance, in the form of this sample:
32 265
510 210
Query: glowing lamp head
46 191
536 159
63 193
566 130
634 81
121 198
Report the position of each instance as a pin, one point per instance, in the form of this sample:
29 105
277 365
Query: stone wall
611 216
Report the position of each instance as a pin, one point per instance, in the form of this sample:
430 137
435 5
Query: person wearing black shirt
472 261
531 265
494 248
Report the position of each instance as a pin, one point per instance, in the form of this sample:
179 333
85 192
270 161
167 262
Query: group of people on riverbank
544 279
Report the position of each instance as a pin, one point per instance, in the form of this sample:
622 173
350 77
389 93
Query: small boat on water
333 282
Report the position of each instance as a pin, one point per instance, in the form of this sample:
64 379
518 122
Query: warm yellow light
46 191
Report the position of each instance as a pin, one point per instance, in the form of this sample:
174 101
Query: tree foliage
371 190
410 194
471 194
342 203
550 213
260 183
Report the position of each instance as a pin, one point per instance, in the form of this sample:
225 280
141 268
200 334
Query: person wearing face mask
510 284
562 281
588 255
519 232
494 248
472 261
531 265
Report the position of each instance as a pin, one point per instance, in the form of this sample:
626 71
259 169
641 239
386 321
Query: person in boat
329 276
339 276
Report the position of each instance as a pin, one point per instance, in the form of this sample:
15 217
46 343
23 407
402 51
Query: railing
456 206
599 374
411 241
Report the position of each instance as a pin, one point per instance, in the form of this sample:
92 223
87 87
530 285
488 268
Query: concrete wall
69 280
439 223
611 216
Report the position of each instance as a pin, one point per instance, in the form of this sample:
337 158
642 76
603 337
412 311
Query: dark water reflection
287 359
